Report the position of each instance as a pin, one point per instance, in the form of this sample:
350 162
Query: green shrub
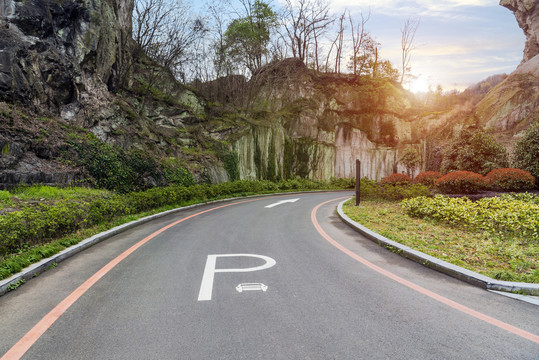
411 159
369 189
524 197
4 195
527 152
463 182
343 183
427 178
114 169
175 173
510 179
399 192
396 179
5 199
475 151
300 183
497 215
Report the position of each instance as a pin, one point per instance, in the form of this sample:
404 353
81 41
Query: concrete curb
442 266
39 267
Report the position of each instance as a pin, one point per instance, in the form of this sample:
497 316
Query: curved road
285 291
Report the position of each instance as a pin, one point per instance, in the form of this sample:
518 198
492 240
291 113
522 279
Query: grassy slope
496 257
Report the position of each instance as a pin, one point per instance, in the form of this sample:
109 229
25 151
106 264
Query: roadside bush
34 225
427 178
527 152
510 179
300 183
343 183
396 179
5 198
465 182
399 192
369 189
497 215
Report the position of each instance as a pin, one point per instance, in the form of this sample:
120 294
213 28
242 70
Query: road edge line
442 266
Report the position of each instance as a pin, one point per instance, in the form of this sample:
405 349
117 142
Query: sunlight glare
419 85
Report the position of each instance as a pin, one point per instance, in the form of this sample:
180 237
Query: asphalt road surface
257 279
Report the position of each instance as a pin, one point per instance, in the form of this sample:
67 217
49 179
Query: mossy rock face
514 100
81 47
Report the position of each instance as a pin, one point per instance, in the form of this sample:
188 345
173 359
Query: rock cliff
527 15
63 54
317 125
511 106
69 70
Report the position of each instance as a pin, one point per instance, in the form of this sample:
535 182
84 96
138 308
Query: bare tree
305 20
165 31
217 13
337 44
361 42
407 44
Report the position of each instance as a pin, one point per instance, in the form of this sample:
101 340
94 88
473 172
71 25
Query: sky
458 42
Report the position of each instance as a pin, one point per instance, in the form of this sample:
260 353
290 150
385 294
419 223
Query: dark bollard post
358 182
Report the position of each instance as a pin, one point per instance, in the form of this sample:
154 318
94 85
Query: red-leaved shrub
396 179
510 179
465 182
427 178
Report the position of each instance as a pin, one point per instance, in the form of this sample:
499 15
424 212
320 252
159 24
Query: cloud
423 8
445 50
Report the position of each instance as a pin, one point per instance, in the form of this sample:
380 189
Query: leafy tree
247 38
526 155
411 160
386 70
474 151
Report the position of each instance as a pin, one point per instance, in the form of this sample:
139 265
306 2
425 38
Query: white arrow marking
281 202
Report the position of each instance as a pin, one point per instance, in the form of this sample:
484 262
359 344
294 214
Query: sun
419 85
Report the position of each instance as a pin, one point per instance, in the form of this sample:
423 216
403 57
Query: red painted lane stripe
422 290
22 346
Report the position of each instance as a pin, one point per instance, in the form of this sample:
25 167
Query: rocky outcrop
61 55
527 15
511 106
317 125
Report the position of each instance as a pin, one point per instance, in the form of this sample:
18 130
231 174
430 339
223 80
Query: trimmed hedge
43 223
427 178
510 179
370 189
464 182
396 179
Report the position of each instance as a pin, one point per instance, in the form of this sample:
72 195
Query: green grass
5 199
39 192
498 256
